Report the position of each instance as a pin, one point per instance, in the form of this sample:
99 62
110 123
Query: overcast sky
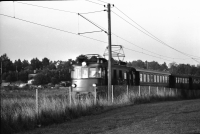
175 22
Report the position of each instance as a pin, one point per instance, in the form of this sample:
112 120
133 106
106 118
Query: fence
118 92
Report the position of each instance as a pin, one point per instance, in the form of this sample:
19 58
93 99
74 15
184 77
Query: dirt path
165 117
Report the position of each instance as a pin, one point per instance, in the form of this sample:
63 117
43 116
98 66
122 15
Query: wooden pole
109 53
149 91
127 91
70 96
112 94
139 90
95 95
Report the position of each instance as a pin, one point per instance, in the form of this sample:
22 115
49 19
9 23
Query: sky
149 30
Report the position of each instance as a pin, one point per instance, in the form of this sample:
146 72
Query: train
93 72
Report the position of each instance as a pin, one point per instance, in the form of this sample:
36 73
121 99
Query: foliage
60 70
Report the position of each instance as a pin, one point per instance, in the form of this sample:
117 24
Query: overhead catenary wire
151 35
90 22
94 2
145 54
47 7
81 35
52 28
76 34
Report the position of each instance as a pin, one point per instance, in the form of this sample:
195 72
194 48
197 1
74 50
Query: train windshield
84 72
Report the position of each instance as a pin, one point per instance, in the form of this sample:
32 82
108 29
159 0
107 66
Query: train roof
152 71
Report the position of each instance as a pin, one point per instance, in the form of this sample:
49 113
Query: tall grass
18 108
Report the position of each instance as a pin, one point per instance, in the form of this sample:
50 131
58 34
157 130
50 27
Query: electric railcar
94 72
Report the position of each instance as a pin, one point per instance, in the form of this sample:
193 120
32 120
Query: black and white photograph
100 66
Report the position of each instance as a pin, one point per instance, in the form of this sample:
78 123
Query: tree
36 63
45 62
18 65
25 64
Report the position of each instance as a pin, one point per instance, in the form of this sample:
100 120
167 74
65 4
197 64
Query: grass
18 107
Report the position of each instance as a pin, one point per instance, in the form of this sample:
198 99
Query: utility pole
1 73
109 55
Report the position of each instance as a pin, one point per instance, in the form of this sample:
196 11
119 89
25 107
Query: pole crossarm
90 32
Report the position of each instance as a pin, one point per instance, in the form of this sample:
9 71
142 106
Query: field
19 110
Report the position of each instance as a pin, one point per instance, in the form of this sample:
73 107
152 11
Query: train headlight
94 85
73 85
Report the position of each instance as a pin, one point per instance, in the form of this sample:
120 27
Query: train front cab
84 78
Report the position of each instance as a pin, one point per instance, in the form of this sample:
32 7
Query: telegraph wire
152 36
52 28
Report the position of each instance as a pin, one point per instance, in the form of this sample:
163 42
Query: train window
124 75
84 72
95 72
163 79
76 73
145 77
176 80
154 78
120 74
158 78
141 77
115 73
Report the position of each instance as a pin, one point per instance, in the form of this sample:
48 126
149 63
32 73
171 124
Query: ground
171 117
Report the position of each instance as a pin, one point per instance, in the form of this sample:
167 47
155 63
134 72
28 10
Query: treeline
173 68
47 71
55 71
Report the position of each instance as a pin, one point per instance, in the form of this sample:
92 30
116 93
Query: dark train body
94 72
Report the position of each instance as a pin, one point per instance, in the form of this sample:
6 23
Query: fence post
37 107
149 91
95 95
157 91
70 96
164 91
112 93
139 90
127 91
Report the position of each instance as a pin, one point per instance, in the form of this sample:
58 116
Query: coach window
176 80
125 75
158 78
147 77
141 77
84 72
115 73
120 74
154 78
